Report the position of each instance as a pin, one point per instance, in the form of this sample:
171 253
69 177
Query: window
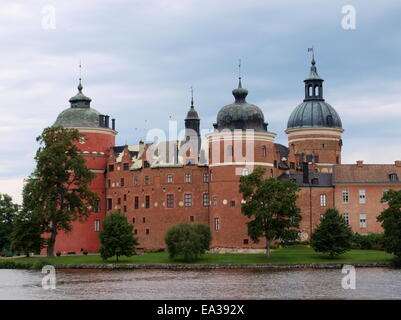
147 202
125 208
125 197
345 196
97 225
205 177
346 218
292 165
122 182
246 241
216 224
146 164
362 220
215 201
109 203
133 220
232 203
191 218
170 201
230 150
111 167
245 171
143 220
169 178
135 231
109 183
362 196
147 231
135 180
315 181
146 180
136 202
97 206
275 163
119 201
205 199
188 199
126 166
323 200
393 177
188 178
271 173
264 152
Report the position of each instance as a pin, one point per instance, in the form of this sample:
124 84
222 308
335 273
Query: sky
139 59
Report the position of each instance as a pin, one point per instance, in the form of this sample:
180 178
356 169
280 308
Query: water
371 283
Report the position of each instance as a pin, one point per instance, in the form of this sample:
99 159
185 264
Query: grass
288 255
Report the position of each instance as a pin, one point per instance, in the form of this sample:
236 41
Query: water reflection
371 283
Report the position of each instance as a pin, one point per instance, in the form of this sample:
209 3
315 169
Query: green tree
58 190
271 205
187 241
390 220
8 212
332 236
26 236
117 238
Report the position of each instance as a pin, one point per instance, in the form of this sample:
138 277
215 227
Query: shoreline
220 266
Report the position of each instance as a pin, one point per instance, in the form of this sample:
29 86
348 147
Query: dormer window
315 181
393 177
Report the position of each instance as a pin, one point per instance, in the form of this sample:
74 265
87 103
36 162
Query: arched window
264 152
310 91
316 91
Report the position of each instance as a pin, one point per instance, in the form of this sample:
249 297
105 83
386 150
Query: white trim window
362 220
188 200
245 171
323 200
346 218
97 225
345 196
216 224
188 178
170 178
362 196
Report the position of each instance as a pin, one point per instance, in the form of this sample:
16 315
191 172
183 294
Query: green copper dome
80 114
240 114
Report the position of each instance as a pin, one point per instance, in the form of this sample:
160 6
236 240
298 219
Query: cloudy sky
139 59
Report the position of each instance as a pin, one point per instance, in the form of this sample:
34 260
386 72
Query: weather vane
239 68
313 52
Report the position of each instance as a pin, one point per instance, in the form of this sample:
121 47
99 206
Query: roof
324 179
314 114
365 174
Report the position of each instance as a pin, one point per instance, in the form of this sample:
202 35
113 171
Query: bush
366 242
188 241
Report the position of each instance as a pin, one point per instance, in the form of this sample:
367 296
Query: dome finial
80 87
192 97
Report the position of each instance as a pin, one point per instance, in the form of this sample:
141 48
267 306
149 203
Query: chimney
359 163
305 169
397 163
106 124
101 120
113 124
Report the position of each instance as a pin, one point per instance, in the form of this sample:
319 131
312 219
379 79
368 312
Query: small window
316 157
97 206
109 203
205 199
393 177
362 196
264 152
188 178
147 231
109 183
119 201
246 241
191 218
345 195
346 219
146 164
323 200
205 177
232 203
97 225
188 200
215 201
315 181
135 180
170 201
135 231
126 166
136 202
169 178
384 192
122 182
147 202
125 197
125 208
216 224
143 220
146 180
111 167
275 163
245 171
133 220
362 220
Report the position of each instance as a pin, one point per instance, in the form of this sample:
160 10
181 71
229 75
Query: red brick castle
196 179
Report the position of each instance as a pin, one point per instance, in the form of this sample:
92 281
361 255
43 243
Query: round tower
95 146
239 143
314 129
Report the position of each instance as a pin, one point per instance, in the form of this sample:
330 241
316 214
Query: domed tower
314 129
192 130
95 147
239 143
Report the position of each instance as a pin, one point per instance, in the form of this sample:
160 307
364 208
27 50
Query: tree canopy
332 236
271 206
117 238
8 213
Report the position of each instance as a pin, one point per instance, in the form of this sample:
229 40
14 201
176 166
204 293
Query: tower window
169 178
264 152
323 200
316 91
216 224
230 150
393 177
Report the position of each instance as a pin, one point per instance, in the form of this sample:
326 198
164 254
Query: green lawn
295 254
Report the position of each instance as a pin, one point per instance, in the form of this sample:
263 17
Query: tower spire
80 87
239 74
192 97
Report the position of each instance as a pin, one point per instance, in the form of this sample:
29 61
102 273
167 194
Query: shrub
366 242
187 241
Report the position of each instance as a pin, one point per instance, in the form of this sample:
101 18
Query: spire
240 93
313 83
192 114
80 100
192 97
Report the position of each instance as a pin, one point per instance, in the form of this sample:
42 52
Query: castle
196 180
